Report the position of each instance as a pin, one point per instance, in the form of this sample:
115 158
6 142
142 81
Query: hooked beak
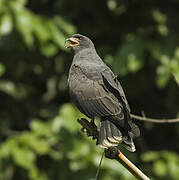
72 42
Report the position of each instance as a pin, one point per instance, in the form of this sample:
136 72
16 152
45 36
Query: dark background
40 138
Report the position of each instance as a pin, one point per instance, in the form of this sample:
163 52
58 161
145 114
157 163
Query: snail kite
97 92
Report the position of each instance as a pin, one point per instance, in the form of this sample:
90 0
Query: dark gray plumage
96 91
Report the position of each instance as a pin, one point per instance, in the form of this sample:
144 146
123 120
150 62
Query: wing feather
111 82
98 94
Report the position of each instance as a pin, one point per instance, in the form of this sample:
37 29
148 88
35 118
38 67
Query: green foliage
50 33
58 138
165 164
39 135
130 55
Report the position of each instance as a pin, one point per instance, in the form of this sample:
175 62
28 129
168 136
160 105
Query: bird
97 92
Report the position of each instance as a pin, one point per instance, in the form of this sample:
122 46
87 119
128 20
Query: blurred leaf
129 57
41 30
25 26
5 24
68 28
69 117
176 76
162 29
23 157
5 149
160 168
38 144
57 36
2 69
134 64
164 74
168 67
49 49
10 88
40 128
158 16
149 156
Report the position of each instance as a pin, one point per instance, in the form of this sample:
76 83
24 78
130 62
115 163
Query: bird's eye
80 38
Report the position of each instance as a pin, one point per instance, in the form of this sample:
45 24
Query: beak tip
66 40
73 42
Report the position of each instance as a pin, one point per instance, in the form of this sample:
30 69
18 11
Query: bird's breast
79 83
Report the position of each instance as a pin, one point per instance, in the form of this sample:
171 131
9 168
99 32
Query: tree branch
154 120
114 153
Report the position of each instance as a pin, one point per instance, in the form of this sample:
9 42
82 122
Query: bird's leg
94 128
89 127
93 122
111 153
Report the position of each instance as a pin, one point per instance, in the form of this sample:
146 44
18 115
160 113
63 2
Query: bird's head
78 42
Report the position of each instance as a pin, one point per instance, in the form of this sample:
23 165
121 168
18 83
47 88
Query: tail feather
128 143
109 132
116 134
110 135
134 129
102 135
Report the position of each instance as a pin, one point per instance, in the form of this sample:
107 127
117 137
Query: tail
110 135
